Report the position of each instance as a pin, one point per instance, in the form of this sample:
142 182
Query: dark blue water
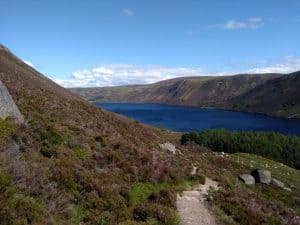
184 118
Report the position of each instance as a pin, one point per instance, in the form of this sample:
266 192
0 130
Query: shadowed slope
279 97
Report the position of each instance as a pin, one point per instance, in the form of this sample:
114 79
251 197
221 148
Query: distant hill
279 96
272 94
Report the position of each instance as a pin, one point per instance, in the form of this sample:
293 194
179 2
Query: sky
88 43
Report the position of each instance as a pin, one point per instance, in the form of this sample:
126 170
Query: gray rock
277 183
287 189
168 146
8 108
262 176
247 179
100 170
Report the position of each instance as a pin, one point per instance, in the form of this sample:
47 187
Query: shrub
164 197
141 191
16 208
7 129
27 207
150 211
82 153
279 147
47 152
51 135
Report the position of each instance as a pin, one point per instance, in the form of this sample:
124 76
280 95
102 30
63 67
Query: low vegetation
7 129
279 147
72 163
238 203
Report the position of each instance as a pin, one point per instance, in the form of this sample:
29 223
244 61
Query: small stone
100 170
98 145
277 183
247 179
287 189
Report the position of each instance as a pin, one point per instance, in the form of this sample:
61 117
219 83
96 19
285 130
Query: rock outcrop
8 108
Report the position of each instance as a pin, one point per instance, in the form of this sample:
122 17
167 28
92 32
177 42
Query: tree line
275 146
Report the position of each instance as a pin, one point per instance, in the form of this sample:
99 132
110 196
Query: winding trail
191 205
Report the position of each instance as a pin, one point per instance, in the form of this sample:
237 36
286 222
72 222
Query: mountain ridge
223 92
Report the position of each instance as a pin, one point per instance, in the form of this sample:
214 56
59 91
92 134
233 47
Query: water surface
185 118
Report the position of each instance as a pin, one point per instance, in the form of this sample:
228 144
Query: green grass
141 191
82 153
78 214
231 205
279 171
7 129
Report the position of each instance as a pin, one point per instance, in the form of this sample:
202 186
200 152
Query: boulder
247 179
277 183
8 108
262 176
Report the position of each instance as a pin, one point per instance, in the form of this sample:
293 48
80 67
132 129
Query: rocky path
191 207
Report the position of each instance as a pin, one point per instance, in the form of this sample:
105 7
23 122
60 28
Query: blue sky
110 42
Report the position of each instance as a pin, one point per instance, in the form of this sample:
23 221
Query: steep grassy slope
272 94
279 97
70 161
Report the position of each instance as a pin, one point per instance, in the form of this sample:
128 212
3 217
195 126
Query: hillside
279 96
68 162
272 94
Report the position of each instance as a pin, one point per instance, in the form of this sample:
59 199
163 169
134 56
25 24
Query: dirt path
191 207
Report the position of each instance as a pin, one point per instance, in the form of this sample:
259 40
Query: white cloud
28 63
124 74
250 23
127 12
286 64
